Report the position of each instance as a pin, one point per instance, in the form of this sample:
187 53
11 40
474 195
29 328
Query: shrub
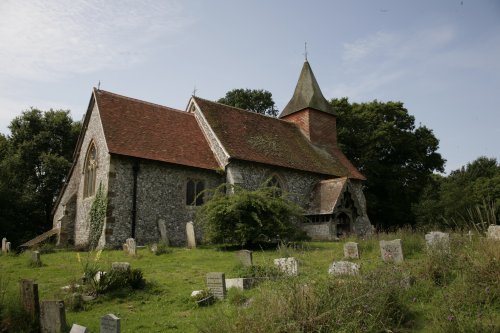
162 248
96 217
46 248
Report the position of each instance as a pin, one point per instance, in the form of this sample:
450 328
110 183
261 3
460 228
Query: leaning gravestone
110 324
4 245
245 257
191 238
392 251
29 298
162 226
52 317
120 266
289 266
437 240
493 232
131 247
351 250
343 268
78 329
35 259
216 283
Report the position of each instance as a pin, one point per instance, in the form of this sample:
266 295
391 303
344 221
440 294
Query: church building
152 161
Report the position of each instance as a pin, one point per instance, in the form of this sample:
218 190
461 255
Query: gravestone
35 259
343 268
391 251
29 298
78 329
131 247
52 317
239 283
191 238
7 247
4 244
110 324
216 283
437 240
351 250
470 234
289 266
493 232
120 266
162 227
245 257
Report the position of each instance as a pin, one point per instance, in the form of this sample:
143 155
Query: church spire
307 95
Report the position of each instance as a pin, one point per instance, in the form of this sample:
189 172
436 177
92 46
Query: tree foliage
247 217
397 157
34 159
255 100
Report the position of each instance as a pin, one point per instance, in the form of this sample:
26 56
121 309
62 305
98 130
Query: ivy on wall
96 217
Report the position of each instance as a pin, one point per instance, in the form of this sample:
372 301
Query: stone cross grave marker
437 240
4 245
493 232
52 317
29 298
35 258
343 268
78 329
131 247
245 257
216 283
110 324
162 226
391 251
351 250
191 238
120 266
287 265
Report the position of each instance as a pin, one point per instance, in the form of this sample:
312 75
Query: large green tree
35 159
255 100
397 157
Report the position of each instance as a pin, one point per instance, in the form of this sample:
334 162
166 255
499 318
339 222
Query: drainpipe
135 172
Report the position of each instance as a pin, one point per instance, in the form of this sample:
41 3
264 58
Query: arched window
90 171
194 189
276 184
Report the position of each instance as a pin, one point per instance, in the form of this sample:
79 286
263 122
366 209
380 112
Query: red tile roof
253 137
150 131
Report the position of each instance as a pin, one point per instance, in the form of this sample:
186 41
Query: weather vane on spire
305 50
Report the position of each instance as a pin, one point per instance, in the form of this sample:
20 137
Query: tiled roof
252 137
145 130
325 195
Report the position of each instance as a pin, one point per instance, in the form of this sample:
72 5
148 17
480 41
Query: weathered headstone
35 259
245 257
4 244
436 240
7 247
239 283
470 234
29 298
52 317
493 232
162 226
125 248
78 329
287 265
343 268
392 251
351 250
120 266
191 238
131 247
216 283
110 324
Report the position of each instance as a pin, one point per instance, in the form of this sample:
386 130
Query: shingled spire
307 95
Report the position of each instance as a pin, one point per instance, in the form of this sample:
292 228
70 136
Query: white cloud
48 39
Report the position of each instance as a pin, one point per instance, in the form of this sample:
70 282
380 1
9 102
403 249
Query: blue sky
440 58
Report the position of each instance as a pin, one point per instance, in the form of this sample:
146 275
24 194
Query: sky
440 58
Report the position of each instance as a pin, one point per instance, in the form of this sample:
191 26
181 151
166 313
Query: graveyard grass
456 291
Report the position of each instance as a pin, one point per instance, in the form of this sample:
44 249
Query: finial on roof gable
307 94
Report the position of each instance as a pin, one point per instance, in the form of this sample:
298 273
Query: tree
255 100
397 158
35 158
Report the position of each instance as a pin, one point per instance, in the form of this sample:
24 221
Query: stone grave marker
4 244
7 247
351 250
437 240
162 227
110 324
343 268
52 317
216 283
391 251
245 257
287 265
29 298
35 258
239 283
120 266
493 232
78 329
131 247
191 238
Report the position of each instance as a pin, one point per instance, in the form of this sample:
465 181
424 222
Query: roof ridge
139 100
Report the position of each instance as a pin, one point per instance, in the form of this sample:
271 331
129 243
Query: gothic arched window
90 171
194 189
276 184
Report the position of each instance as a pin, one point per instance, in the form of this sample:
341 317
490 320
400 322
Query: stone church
152 162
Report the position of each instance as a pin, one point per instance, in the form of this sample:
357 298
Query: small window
90 171
194 192
275 183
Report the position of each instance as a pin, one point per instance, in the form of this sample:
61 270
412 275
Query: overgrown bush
162 248
96 217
